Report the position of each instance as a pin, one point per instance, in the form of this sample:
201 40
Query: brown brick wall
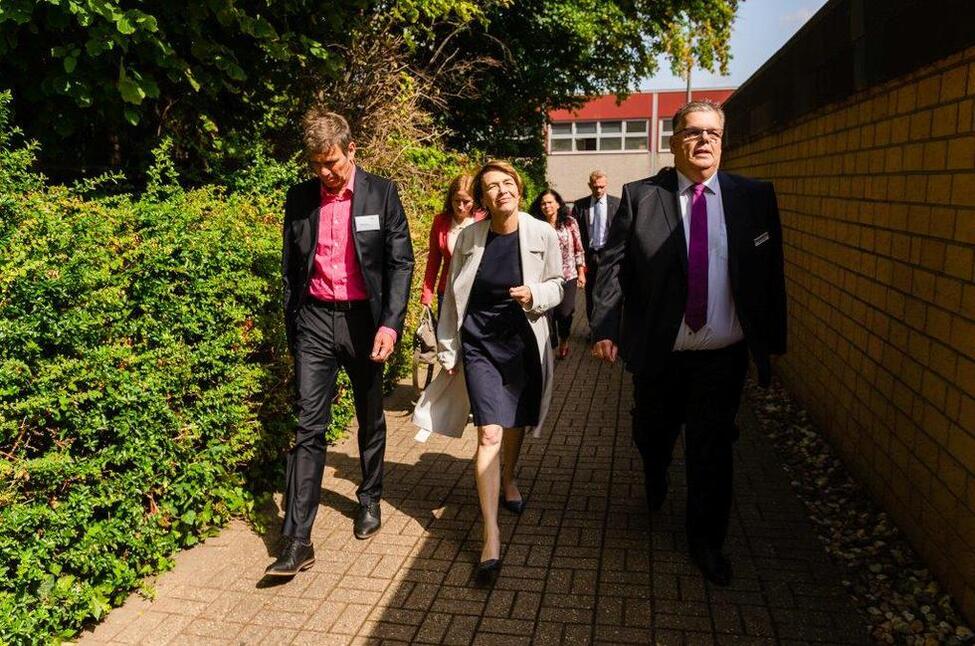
877 195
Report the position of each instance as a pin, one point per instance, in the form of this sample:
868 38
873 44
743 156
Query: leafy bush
140 344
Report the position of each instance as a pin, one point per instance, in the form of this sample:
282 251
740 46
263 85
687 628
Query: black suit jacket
582 212
385 255
641 288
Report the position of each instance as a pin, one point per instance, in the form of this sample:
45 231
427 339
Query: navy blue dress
501 364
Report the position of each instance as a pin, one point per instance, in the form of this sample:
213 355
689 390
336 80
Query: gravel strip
883 574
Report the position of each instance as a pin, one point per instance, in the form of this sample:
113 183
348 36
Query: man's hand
523 295
382 346
605 350
581 280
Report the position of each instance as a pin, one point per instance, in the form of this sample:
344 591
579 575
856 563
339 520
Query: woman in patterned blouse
550 207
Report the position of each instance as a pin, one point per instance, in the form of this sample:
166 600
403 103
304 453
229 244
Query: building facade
628 140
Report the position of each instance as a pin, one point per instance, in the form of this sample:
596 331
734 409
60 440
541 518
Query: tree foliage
98 81
700 41
556 53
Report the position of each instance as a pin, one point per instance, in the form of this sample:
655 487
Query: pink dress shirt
336 275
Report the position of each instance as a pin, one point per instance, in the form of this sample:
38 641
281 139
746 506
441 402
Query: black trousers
592 270
324 341
560 318
700 390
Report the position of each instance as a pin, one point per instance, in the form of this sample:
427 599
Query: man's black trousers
702 391
326 339
592 270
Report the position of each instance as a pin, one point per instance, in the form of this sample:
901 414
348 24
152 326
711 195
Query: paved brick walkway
585 562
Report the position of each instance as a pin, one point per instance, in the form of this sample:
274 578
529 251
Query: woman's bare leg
487 472
511 450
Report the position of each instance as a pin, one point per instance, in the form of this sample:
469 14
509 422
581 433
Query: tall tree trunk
689 68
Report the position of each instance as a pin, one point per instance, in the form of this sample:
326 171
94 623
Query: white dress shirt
722 327
597 234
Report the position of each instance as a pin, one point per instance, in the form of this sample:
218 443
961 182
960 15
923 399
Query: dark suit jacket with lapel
385 255
641 288
582 212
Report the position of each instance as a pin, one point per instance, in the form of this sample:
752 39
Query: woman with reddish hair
459 211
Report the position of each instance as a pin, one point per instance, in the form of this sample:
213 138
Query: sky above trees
761 29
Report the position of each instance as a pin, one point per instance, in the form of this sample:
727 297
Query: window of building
610 135
560 139
598 136
664 130
586 135
636 135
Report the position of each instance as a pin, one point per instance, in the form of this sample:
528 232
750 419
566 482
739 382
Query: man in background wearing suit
347 264
691 282
594 213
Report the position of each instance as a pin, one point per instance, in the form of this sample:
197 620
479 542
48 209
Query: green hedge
141 346
128 372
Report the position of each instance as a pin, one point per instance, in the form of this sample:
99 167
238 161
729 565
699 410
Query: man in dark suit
347 263
594 213
691 282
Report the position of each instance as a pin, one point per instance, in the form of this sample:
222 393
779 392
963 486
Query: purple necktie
696 312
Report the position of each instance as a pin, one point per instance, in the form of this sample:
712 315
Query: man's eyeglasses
687 134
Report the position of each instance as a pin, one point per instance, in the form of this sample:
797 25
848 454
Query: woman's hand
523 295
581 280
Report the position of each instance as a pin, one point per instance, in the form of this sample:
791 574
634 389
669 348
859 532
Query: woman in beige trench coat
493 343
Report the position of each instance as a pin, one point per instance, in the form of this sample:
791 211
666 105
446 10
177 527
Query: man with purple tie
691 282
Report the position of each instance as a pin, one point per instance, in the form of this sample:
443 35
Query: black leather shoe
514 506
714 565
487 572
657 485
368 520
295 556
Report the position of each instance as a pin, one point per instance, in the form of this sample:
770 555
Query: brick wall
877 194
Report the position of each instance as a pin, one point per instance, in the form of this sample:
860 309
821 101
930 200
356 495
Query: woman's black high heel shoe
487 572
514 506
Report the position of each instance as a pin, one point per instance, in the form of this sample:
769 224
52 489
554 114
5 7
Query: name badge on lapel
762 239
367 222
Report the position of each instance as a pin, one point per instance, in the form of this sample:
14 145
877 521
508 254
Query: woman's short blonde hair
501 166
322 129
462 182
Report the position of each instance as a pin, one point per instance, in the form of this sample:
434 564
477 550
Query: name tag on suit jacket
367 222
